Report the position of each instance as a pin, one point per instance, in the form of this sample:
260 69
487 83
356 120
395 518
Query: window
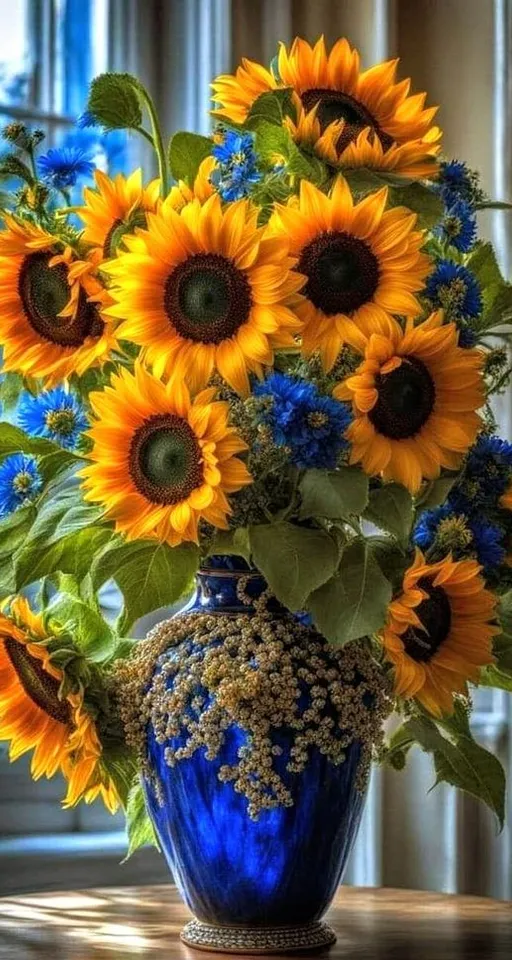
49 52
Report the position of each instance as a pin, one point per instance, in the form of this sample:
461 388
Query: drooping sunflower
415 397
181 194
439 631
51 323
333 83
414 158
114 208
35 716
205 290
363 264
160 461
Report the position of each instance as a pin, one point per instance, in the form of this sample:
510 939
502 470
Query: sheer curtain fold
460 52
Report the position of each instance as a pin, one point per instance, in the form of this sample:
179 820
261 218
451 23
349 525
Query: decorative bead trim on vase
257 940
198 675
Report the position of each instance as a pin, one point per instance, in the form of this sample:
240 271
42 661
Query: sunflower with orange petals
415 398
114 208
36 715
51 324
333 85
439 631
162 462
206 290
414 159
363 264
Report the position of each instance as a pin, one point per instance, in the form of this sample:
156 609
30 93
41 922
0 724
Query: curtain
459 51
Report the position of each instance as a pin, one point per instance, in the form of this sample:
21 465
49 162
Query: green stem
157 139
32 162
147 136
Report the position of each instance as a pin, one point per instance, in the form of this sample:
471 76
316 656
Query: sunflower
115 208
414 159
205 290
334 85
36 715
203 188
415 397
439 631
362 263
51 324
160 461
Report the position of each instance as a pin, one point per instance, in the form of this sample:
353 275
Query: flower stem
156 139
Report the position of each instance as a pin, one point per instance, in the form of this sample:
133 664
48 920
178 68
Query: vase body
276 872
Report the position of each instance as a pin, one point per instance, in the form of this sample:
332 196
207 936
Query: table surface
144 922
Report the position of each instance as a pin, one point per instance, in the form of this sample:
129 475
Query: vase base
257 940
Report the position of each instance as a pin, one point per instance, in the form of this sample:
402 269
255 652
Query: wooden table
144 922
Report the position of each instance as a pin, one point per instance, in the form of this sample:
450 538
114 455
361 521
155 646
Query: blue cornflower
86 119
236 169
54 414
62 166
457 182
487 475
20 482
454 288
458 226
453 531
310 424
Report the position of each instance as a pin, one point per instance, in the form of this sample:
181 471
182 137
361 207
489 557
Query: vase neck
225 591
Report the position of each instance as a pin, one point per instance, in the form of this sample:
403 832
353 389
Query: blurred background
460 51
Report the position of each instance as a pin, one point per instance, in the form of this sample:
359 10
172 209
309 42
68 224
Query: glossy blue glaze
282 869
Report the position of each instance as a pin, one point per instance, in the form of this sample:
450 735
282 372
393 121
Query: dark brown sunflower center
119 230
436 617
207 299
42 689
165 459
44 292
342 272
406 399
335 105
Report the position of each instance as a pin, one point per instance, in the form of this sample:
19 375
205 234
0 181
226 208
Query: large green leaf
13 532
52 459
390 508
463 763
483 263
91 634
436 492
422 200
186 152
114 101
270 107
333 494
354 602
138 825
150 575
294 560
231 542
73 554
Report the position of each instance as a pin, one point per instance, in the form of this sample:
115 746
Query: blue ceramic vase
252 884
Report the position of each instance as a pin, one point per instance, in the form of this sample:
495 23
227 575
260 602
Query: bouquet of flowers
286 356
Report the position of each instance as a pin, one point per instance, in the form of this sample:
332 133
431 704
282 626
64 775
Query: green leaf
333 494
390 508
13 532
354 602
91 634
186 153
150 575
122 767
436 492
272 141
114 101
392 559
497 306
138 824
52 459
505 613
11 388
72 554
464 764
270 107
493 676
231 542
294 560
421 200
483 263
